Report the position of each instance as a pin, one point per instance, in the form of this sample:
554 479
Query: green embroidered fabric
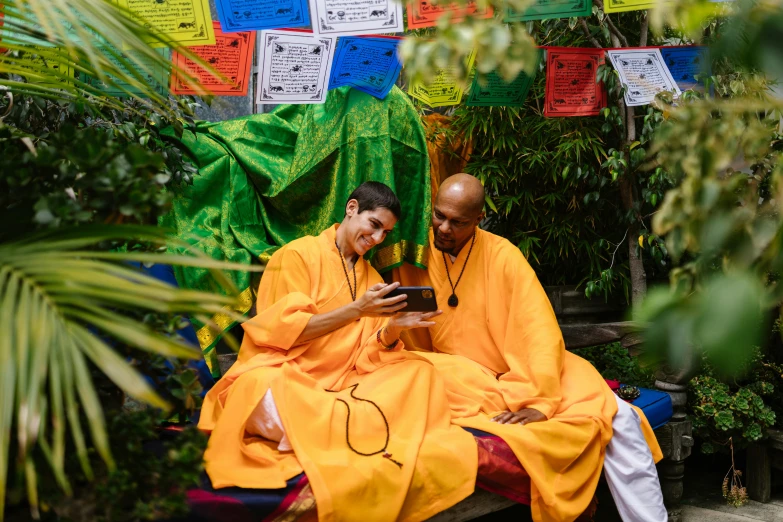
267 179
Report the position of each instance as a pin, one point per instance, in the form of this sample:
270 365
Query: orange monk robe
439 460
501 349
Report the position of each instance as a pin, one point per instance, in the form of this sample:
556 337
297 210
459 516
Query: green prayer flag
496 92
267 179
545 9
153 74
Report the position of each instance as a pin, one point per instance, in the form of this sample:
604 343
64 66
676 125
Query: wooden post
759 472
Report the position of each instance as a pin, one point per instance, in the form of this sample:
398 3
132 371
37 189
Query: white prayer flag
356 17
293 67
644 73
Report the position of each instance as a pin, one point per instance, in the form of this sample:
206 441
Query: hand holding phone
419 298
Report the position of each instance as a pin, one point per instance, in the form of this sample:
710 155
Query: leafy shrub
69 164
739 409
613 362
65 165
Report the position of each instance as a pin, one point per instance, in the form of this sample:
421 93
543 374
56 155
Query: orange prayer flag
231 56
421 13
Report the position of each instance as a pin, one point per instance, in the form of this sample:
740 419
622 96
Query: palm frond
54 47
61 308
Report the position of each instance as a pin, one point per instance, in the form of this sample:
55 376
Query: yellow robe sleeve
533 346
284 302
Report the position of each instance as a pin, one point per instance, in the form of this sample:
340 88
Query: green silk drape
267 179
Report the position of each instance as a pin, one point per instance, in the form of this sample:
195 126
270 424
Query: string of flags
346 43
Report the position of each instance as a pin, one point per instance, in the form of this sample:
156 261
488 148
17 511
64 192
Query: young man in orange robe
501 352
322 385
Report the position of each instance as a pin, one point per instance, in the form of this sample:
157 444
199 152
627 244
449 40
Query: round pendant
453 300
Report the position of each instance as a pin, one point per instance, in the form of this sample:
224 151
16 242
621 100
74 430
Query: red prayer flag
571 88
231 55
423 14
2 20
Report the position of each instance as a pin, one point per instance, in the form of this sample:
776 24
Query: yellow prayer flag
444 89
187 22
617 6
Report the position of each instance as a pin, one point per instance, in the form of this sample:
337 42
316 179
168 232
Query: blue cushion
656 405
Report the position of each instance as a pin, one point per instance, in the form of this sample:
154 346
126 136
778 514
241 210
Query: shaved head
465 190
457 211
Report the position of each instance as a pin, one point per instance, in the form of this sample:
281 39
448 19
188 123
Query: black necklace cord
453 300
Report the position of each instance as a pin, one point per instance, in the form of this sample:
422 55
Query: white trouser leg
265 422
630 471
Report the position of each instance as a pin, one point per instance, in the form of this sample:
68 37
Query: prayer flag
685 63
545 9
187 22
496 92
421 13
293 67
35 51
241 15
618 6
370 65
231 56
356 17
444 89
644 74
155 75
571 85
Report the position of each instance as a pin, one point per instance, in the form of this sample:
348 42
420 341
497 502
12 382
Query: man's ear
351 207
480 218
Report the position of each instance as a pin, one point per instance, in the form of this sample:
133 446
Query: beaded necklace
386 454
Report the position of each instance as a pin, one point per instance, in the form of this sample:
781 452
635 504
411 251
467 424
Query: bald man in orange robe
322 385
501 352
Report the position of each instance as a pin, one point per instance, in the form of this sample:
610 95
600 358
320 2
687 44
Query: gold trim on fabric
394 255
303 505
206 337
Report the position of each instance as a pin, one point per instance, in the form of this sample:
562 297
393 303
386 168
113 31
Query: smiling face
364 230
455 216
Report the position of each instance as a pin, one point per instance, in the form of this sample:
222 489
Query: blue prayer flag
244 15
685 63
370 65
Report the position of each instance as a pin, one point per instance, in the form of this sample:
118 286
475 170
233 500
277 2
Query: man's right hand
375 304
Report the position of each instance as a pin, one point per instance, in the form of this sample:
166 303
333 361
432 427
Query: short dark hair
374 194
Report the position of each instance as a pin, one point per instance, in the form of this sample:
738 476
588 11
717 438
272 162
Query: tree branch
613 28
586 29
645 29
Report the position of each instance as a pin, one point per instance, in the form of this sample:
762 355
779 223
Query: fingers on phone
397 298
385 289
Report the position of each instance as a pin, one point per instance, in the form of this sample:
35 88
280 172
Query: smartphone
420 298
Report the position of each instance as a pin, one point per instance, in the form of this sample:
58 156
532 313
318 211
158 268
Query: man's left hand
523 416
